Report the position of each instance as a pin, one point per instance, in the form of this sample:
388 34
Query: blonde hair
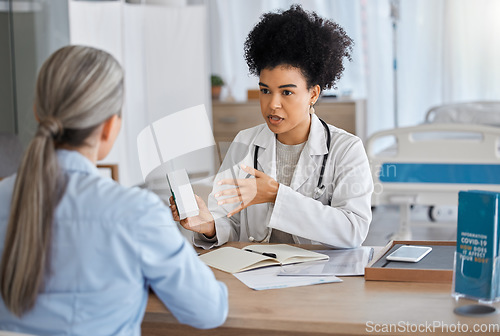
78 88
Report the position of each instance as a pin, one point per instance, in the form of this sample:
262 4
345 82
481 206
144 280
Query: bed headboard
430 163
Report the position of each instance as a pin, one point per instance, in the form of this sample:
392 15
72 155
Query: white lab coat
339 218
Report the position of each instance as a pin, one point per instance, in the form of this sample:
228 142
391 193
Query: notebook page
287 254
232 260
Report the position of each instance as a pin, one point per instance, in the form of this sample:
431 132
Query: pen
272 255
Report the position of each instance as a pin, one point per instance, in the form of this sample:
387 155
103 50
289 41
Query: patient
79 251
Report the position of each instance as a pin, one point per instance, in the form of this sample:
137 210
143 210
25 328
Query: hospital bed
480 112
429 164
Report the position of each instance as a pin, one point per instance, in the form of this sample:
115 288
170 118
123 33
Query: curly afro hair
302 40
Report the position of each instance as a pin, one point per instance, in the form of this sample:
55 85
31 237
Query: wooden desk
330 309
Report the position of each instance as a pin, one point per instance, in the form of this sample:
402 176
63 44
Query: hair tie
50 127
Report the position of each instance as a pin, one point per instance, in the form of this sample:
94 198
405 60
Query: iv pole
404 232
395 17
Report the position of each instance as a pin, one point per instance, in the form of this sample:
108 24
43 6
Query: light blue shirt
110 243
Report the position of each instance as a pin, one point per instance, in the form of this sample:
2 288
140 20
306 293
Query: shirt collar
70 160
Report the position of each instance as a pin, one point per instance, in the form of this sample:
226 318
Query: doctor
294 179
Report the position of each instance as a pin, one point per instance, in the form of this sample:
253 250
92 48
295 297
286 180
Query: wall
29 32
7 111
163 51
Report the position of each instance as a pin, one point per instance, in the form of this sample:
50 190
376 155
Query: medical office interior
424 78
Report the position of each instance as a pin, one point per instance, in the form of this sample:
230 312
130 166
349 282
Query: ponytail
29 232
78 88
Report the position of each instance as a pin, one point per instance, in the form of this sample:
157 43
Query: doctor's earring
311 109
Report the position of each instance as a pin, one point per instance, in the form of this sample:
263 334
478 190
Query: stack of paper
262 268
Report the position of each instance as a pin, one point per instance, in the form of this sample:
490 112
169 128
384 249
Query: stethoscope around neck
320 188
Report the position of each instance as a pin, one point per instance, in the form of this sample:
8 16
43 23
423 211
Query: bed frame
430 163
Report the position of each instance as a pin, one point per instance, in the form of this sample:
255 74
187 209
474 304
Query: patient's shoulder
108 199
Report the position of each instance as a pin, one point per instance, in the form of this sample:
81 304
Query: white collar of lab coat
316 143
266 141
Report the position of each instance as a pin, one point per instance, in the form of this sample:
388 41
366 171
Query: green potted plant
217 84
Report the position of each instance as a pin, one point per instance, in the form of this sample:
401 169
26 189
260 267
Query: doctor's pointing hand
248 191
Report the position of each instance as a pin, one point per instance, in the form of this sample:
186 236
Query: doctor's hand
203 223
249 191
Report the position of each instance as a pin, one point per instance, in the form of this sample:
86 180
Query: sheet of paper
311 268
349 262
267 278
148 153
172 136
183 132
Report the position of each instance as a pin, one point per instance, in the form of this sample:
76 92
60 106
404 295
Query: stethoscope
320 187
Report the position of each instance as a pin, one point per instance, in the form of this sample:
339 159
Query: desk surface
353 307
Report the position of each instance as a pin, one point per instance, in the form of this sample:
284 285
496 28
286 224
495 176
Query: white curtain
163 51
447 51
232 20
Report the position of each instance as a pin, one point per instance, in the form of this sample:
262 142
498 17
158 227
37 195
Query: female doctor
294 179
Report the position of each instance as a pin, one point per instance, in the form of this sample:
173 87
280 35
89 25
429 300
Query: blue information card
477 245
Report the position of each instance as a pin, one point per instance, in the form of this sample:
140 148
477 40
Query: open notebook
233 260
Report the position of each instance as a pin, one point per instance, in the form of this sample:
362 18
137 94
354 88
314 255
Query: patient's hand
203 223
249 191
